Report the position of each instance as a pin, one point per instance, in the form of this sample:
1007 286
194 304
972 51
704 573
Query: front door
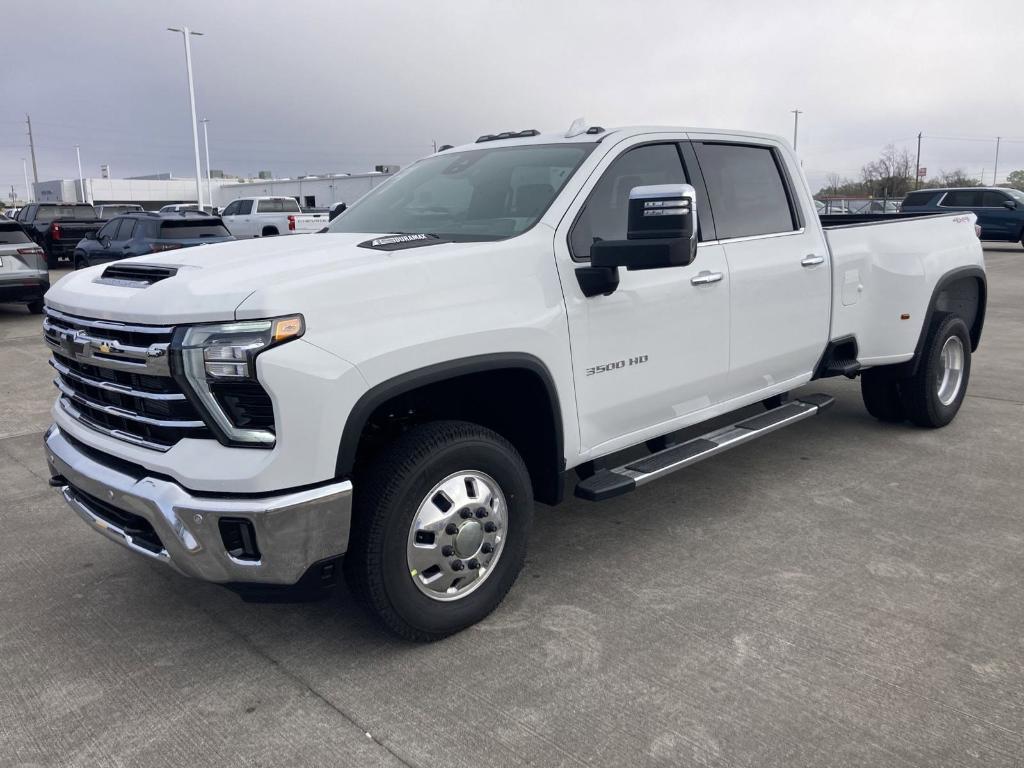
656 351
779 271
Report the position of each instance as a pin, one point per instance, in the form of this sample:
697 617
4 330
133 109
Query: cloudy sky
324 85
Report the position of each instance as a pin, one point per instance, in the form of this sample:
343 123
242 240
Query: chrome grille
115 379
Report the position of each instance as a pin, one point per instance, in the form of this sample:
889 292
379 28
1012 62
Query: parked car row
138 234
1000 211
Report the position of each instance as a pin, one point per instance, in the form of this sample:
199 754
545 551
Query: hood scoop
135 275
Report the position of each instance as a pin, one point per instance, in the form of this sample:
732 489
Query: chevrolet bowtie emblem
104 348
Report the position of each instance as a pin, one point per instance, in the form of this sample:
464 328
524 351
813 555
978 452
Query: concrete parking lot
843 592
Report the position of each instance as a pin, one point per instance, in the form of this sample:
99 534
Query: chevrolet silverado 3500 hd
401 388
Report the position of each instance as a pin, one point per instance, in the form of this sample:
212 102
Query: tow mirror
90 235
661 231
1011 204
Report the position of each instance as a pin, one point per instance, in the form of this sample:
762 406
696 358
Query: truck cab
498 321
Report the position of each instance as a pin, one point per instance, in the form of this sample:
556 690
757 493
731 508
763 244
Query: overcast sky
323 85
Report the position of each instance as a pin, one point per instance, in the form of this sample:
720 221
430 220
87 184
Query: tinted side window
748 194
604 215
244 207
918 198
962 198
231 210
126 230
992 199
109 229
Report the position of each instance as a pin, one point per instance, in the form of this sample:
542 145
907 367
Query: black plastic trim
979 320
432 374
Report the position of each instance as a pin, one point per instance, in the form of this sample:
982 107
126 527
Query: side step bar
608 483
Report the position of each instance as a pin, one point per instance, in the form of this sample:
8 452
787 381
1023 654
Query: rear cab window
278 205
747 188
52 212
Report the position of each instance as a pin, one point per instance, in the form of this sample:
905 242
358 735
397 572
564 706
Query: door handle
705 278
812 261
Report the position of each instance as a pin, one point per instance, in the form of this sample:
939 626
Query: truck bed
884 268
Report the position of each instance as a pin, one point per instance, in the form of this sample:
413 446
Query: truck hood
212 281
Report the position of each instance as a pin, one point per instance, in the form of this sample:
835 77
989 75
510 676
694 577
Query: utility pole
435 146
917 173
187 33
81 181
995 166
28 189
32 149
206 143
796 124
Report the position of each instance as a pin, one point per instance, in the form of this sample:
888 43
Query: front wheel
439 529
933 396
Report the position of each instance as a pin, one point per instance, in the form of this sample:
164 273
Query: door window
993 199
108 229
604 215
749 195
962 198
126 230
244 207
231 210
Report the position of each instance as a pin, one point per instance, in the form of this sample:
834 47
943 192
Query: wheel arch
525 410
963 292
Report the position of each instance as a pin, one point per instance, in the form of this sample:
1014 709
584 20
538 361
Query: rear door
125 240
1004 223
779 272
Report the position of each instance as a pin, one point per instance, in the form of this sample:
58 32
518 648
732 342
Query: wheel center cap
469 538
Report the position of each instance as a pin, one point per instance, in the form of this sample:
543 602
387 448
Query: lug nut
487 548
474 564
490 527
457 565
466 513
447 550
481 512
451 529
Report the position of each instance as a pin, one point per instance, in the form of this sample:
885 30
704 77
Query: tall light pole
28 189
81 180
995 166
187 33
796 124
206 144
917 173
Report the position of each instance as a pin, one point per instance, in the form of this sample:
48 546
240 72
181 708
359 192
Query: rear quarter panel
883 271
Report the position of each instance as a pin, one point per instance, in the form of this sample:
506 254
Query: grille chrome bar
108 353
110 325
111 386
119 434
124 413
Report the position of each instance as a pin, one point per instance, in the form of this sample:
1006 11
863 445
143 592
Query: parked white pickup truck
400 389
269 216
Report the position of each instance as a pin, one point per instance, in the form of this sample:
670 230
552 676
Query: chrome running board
608 483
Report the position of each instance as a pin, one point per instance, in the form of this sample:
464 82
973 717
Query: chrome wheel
951 375
457 535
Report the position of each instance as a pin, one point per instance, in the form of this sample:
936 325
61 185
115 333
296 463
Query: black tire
52 262
880 389
80 262
36 307
269 231
387 496
920 392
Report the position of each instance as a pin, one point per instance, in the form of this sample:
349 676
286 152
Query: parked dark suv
136 234
1000 211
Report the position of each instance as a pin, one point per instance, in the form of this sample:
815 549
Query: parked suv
1000 211
23 274
140 233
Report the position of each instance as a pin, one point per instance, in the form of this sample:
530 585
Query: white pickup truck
269 216
400 389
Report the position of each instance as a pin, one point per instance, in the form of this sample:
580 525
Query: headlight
216 365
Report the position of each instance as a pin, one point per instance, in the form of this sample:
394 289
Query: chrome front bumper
294 530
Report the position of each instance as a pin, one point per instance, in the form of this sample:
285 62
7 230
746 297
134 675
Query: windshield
51 212
482 194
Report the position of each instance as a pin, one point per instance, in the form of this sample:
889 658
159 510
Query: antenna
579 126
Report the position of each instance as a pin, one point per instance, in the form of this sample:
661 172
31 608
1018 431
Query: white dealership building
151 192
